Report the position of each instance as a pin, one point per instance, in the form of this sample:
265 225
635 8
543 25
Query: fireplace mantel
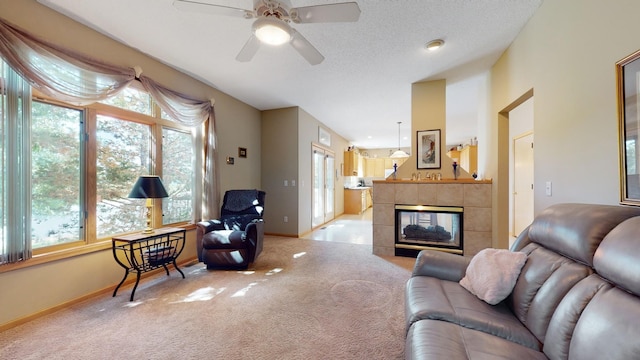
473 195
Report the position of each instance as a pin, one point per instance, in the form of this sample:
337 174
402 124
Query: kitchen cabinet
374 167
351 159
356 201
469 158
454 155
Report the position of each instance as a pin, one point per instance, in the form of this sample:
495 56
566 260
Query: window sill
68 253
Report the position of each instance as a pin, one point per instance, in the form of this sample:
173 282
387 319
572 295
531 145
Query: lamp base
148 229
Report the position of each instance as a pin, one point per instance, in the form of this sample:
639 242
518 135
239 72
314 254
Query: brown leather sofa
576 297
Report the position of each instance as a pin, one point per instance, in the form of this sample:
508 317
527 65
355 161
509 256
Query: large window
67 170
56 204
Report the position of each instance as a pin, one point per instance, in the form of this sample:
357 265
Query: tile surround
474 196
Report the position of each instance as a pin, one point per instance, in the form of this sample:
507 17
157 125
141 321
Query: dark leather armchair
235 239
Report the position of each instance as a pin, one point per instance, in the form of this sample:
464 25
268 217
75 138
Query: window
67 170
56 204
631 156
177 169
123 154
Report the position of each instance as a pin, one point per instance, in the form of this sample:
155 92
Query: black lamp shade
148 187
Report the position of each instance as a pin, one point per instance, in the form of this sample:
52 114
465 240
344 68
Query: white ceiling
363 87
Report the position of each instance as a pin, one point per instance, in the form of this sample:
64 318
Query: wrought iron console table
142 252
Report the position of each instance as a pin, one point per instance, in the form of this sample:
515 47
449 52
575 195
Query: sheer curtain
15 176
60 73
75 78
192 112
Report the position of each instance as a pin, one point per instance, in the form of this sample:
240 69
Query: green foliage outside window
177 170
131 99
123 154
55 174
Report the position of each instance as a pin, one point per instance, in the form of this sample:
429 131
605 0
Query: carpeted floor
303 299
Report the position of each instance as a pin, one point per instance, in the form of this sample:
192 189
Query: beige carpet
303 299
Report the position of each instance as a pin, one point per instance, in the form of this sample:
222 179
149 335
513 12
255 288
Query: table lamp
148 187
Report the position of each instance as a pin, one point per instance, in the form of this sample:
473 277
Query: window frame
83 171
191 132
89 242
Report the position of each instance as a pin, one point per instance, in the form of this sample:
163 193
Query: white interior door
522 182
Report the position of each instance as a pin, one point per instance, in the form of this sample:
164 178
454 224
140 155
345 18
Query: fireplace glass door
421 227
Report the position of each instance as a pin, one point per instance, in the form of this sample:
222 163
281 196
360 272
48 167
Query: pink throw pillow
492 274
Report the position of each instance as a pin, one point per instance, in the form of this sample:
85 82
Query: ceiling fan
272 24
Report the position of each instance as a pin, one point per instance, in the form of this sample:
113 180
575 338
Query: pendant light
399 153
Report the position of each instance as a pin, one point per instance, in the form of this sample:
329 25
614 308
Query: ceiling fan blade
341 12
249 49
304 47
199 7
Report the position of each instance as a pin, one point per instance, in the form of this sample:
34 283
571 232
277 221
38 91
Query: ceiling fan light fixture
272 31
434 45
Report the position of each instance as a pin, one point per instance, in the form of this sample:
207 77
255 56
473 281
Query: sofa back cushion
618 256
560 244
576 230
599 317
544 280
243 202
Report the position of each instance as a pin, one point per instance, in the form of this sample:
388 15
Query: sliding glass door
323 192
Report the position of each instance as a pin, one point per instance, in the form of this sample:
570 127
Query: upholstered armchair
235 239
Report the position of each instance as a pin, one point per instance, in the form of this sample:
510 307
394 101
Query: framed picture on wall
428 154
628 83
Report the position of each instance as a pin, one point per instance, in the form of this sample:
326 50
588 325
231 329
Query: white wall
566 54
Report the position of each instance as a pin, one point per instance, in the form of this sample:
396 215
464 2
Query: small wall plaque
242 152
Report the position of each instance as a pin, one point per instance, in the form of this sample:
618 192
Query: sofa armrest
441 265
210 225
254 234
202 228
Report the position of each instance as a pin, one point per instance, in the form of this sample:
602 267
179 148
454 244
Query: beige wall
279 163
566 54
42 287
308 135
287 136
428 112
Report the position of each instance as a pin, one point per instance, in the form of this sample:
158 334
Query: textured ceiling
363 87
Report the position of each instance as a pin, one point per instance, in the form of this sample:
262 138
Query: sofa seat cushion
223 239
434 339
435 299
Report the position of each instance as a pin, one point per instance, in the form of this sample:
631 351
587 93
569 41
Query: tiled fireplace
471 196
